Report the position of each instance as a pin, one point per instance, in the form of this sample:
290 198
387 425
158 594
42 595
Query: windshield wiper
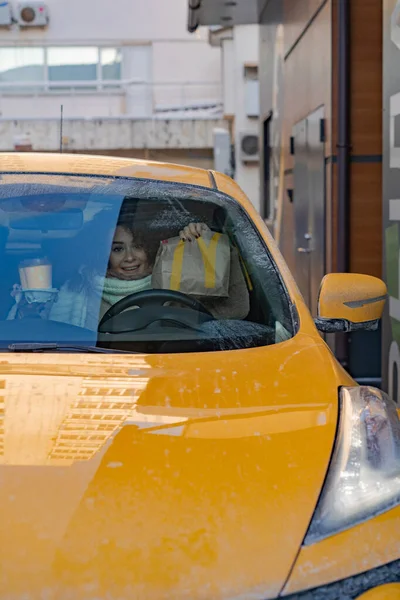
37 347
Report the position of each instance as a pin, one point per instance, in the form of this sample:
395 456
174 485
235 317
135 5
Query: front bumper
352 587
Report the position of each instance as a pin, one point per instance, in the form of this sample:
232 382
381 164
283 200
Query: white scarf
113 290
82 308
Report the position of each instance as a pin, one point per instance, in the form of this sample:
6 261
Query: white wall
245 50
175 57
228 76
107 21
182 62
47 106
109 134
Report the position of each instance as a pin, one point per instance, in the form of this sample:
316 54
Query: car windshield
133 265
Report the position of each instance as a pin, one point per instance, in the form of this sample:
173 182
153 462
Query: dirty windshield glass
133 265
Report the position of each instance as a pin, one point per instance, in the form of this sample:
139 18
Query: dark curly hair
144 238
100 228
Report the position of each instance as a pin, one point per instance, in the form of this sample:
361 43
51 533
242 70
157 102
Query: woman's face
127 261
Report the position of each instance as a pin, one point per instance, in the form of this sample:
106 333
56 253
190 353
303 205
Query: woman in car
130 266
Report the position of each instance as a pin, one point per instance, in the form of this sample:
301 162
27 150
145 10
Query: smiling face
127 261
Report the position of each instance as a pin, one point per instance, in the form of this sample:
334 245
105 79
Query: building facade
241 102
127 76
100 60
320 128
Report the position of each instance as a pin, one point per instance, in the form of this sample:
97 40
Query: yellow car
195 438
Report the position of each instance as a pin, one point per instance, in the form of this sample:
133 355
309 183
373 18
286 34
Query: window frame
47 85
20 83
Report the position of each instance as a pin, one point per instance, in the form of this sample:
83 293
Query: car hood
175 476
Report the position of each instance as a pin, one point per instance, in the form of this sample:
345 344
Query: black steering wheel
153 300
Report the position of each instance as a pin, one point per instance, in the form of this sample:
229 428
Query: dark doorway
266 179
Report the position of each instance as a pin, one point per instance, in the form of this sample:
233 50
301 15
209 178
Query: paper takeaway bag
198 268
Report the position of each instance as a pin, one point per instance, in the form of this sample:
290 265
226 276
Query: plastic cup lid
34 262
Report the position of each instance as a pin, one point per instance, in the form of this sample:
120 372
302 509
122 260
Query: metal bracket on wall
292 145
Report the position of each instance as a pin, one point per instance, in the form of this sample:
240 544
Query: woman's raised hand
193 231
16 291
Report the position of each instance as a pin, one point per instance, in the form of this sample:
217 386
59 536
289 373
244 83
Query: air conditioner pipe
343 152
343 138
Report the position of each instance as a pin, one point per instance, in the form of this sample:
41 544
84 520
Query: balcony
133 98
128 114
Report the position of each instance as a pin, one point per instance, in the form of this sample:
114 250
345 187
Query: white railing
109 98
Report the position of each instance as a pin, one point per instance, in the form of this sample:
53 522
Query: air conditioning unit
6 18
32 14
249 147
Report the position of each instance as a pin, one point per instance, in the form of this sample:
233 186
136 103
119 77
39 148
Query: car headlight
364 475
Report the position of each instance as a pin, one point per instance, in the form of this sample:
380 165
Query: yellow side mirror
348 302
